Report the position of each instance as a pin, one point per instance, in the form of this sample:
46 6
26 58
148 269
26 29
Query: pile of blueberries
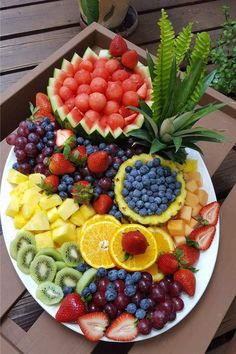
150 188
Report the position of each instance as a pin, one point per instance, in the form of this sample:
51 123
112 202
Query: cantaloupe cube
188 230
191 185
35 179
185 213
67 208
196 210
179 240
38 222
176 227
193 223
191 199
65 233
13 207
58 222
44 240
16 177
202 197
52 214
196 176
19 221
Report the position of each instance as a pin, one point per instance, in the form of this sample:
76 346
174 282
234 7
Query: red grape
157 294
144 285
99 299
137 298
144 326
121 301
92 307
33 138
159 319
40 131
175 289
23 124
167 305
20 142
172 316
31 149
39 158
178 303
40 168
25 168
147 276
10 139
105 183
111 310
102 284
119 285
164 284
21 156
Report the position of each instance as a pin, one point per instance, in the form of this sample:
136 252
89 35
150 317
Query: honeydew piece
196 210
179 240
43 240
191 185
16 177
13 207
35 179
49 202
176 227
19 221
202 197
67 208
191 199
58 222
193 223
52 215
65 233
185 213
188 230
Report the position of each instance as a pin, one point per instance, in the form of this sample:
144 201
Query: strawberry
82 192
134 242
187 279
42 102
98 161
102 204
59 165
210 213
203 236
71 308
42 113
168 263
123 328
118 46
81 151
50 184
142 91
129 59
187 255
65 137
93 325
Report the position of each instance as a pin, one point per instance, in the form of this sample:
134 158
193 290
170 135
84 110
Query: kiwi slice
43 268
60 265
49 293
25 257
70 253
50 252
23 238
67 277
86 279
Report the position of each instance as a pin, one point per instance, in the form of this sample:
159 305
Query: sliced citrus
94 243
99 218
154 271
137 262
164 241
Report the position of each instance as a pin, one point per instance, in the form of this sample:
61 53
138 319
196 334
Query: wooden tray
46 335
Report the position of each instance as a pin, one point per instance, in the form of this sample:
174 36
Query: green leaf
91 10
177 142
67 152
169 101
150 64
200 131
149 119
192 146
141 134
182 43
207 82
145 107
156 146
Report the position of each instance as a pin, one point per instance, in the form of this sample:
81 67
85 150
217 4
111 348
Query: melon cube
13 207
191 185
202 197
196 176
38 222
80 216
185 213
16 177
44 240
191 199
52 214
35 179
65 233
67 208
196 210
176 227
58 222
19 221
49 202
193 223
188 230
179 240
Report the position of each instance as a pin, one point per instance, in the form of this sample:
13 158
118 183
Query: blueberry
147 205
15 166
45 139
102 146
177 192
161 194
144 198
149 193
89 149
172 186
138 164
63 195
146 182
153 207
160 171
159 211
152 174
137 193
128 185
116 166
121 273
81 267
92 288
110 286
164 200
110 173
62 187
134 173
140 314
156 162
120 153
111 194
40 146
67 290
70 187
110 295
157 200
130 178
169 179
154 188
129 280
162 187
101 272
140 204
131 204
143 212
138 178
128 199
163 207
177 185
145 303
136 276
124 158
49 128
149 164
86 142
80 140
144 191
50 135
130 290
144 170
128 169
44 124
131 308
90 179
85 292
173 198
31 126
112 274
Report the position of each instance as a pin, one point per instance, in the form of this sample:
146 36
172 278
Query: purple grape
137 298
47 151
92 307
20 142
11 139
178 303
39 168
105 183
50 143
138 150
175 289
85 171
15 149
113 148
99 299
31 149
152 304
47 172
172 316
117 160
167 297
164 284
119 285
157 294
167 305
40 131
111 310
130 141
33 138
21 156
25 168
147 276
121 301
102 284
40 158
159 319
129 153
144 326
23 124
144 285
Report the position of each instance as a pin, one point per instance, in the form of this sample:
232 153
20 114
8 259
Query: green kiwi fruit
43 268
86 279
23 238
49 293
50 252
67 277
60 265
25 256
70 253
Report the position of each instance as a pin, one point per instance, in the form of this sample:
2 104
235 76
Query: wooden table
31 31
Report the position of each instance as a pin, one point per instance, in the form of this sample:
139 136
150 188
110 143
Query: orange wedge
164 241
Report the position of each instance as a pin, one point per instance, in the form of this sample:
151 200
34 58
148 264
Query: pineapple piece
179 240
80 216
38 222
35 179
16 177
44 240
190 165
87 211
19 221
191 199
202 196
188 229
52 214
67 208
65 233
78 232
13 207
58 222
176 227
31 196
196 210
193 223
50 201
28 210
191 185
185 213
20 189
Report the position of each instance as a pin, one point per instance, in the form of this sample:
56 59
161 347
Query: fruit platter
110 216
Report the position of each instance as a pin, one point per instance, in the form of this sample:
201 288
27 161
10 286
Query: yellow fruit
16 177
179 240
28 210
31 196
64 233
94 243
44 240
83 214
38 222
154 271
196 209
202 196
191 199
185 213
164 241
67 208
192 186
87 211
187 230
13 207
78 232
19 221
20 188
176 227
190 165
193 223
58 222
99 218
195 175
136 262
35 179
52 214
50 201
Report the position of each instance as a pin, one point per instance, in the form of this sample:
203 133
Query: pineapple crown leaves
75 157
82 194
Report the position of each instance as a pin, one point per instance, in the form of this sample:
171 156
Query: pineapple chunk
179 240
35 179
78 232
19 221
13 207
202 196
28 209
58 222
49 202
65 233
193 223
196 210
188 230
16 177
87 211
38 222
52 214
20 189
191 199
31 196
80 216
176 227
185 213
190 165
191 185
67 208
44 240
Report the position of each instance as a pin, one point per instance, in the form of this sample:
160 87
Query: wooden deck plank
11 78
13 3
152 5
6 347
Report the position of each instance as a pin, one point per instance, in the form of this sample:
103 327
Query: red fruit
84 88
129 85
123 328
42 101
70 103
98 84
210 213
91 117
100 72
50 184
64 136
112 65
100 63
71 83
82 102
118 46
203 236
115 120
41 113
65 93
137 78
83 77
93 325
102 204
130 59
130 98
86 65
120 75
59 165
82 192
188 255
125 112
187 279
130 119
142 91
81 151
134 242
98 161
71 308
103 122
168 263
114 91
97 101
111 107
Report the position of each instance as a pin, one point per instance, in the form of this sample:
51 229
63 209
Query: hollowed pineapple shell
173 208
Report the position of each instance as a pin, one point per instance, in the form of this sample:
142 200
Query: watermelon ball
82 102
65 93
111 107
97 101
120 75
112 65
84 88
129 85
114 91
137 79
103 121
100 63
100 72
115 120
70 103
83 77
86 65
130 98
91 117
98 84
71 83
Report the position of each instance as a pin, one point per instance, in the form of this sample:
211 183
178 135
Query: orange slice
137 262
164 241
154 271
97 218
